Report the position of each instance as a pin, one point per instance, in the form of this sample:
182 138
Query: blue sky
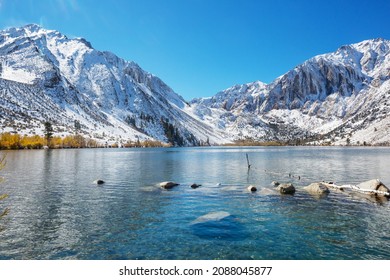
199 47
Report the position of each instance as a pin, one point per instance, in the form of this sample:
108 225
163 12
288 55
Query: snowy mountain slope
315 100
45 76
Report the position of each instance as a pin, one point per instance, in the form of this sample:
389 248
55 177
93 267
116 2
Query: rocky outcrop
317 189
286 188
375 185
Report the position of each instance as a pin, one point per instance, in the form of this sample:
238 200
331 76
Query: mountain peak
32 27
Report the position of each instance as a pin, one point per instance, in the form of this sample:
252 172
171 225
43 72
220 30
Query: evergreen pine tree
77 126
48 132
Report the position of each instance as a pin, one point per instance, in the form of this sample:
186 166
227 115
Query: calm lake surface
57 213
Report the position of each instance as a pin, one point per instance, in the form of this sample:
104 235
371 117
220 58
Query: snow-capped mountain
338 97
45 76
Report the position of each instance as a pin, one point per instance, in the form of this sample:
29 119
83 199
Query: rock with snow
168 185
98 182
375 185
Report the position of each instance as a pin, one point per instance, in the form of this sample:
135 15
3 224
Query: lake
56 212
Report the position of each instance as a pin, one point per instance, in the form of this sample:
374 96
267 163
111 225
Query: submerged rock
252 188
218 225
375 185
168 185
98 182
195 186
317 188
268 191
212 216
286 188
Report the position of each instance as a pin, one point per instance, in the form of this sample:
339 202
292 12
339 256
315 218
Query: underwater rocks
218 225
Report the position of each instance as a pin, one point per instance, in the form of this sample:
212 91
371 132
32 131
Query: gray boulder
195 186
168 185
317 189
98 182
375 185
286 188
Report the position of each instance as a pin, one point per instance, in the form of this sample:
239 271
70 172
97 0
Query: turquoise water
57 213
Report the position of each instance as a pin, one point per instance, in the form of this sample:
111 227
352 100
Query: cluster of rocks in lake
371 187
169 185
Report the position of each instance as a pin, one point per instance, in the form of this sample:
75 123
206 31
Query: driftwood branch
247 161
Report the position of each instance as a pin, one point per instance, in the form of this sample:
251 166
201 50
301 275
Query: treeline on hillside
145 144
14 141
10 141
250 142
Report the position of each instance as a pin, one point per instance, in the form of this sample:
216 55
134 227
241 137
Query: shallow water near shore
56 212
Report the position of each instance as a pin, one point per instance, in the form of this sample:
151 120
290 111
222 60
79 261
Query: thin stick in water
247 160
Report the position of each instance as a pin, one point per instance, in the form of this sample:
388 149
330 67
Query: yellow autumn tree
10 141
32 142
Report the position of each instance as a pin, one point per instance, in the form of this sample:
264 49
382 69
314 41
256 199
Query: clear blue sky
199 47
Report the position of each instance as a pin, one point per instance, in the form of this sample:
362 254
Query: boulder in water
98 182
195 186
375 185
275 183
286 188
168 185
317 189
252 188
